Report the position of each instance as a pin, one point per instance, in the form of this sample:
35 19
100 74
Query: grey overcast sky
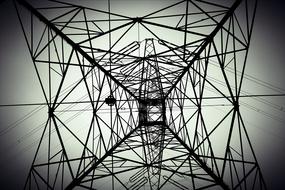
266 62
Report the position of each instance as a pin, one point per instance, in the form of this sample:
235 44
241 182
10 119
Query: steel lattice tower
141 102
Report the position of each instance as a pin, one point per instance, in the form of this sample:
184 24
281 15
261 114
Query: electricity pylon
141 101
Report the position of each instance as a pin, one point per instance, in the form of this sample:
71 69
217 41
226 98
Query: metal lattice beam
147 95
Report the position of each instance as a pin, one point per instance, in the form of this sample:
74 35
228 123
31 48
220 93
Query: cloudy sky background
266 62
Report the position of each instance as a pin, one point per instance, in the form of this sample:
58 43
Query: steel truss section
141 102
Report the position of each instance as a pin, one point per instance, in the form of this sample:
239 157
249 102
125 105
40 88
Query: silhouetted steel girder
75 46
208 40
144 102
